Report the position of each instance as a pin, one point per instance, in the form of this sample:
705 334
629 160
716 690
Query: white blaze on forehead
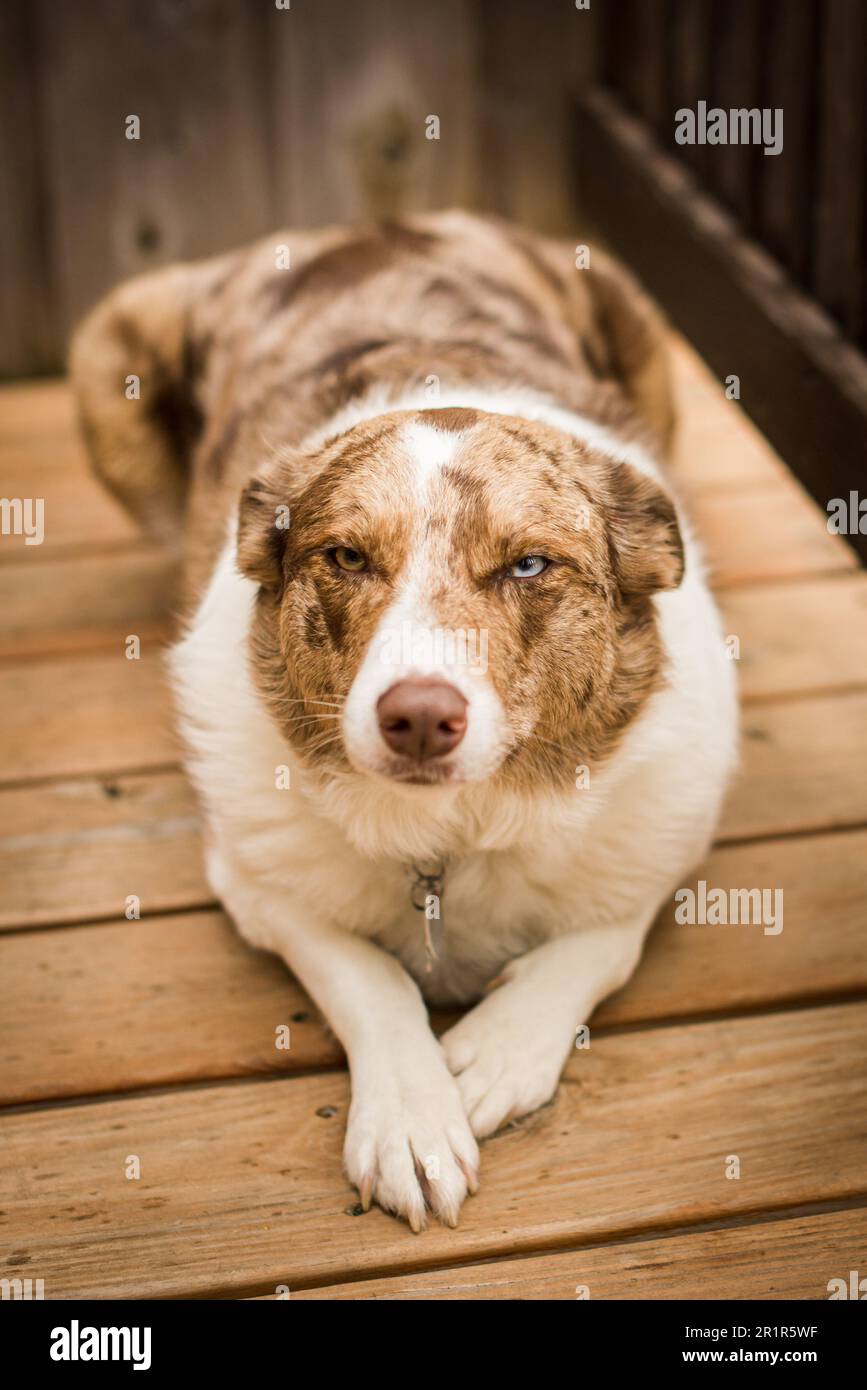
431 450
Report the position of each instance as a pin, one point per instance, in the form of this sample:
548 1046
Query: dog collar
426 895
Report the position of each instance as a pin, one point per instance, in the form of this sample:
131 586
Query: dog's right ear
264 516
134 364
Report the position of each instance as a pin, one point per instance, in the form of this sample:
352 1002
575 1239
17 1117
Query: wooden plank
358 82
524 119
799 638
787 181
241 1186
634 58
197 180
688 68
73 851
819 883
802 768
84 715
189 1002
29 341
79 515
779 534
734 170
36 414
839 278
42 456
67 604
772 1260
802 384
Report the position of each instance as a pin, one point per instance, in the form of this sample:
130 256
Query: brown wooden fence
807 205
253 118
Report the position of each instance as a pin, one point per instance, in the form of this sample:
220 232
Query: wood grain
89 601
241 1185
189 1002
71 851
198 179
801 638
779 534
84 715
29 340
772 1260
802 767
79 516
352 87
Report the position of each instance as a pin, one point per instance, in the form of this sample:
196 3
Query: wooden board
37 424
79 516
716 446
772 1260
241 1186
84 715
198 179
802 767
778 534
28 341
72 604
802 638
190 1002
358 82
71 851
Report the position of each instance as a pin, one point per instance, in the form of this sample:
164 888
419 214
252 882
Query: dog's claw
472 1177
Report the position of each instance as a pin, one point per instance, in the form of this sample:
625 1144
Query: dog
452 687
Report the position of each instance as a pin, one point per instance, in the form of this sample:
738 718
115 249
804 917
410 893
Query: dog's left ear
644 531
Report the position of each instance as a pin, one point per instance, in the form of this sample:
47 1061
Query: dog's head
449 596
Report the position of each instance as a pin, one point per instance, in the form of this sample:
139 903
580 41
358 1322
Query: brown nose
422 718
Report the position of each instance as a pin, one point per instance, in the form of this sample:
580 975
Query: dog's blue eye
528 566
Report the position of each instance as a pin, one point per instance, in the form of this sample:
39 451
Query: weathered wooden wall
806 205
254 117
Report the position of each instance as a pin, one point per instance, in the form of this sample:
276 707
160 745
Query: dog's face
449 595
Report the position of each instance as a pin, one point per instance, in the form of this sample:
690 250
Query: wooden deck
155 1037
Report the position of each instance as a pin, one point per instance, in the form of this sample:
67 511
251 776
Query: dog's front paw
506 1063
408 1143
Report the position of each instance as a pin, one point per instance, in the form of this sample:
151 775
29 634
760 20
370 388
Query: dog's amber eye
348 559
528 566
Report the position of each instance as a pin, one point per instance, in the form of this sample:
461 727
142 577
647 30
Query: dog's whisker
309 700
